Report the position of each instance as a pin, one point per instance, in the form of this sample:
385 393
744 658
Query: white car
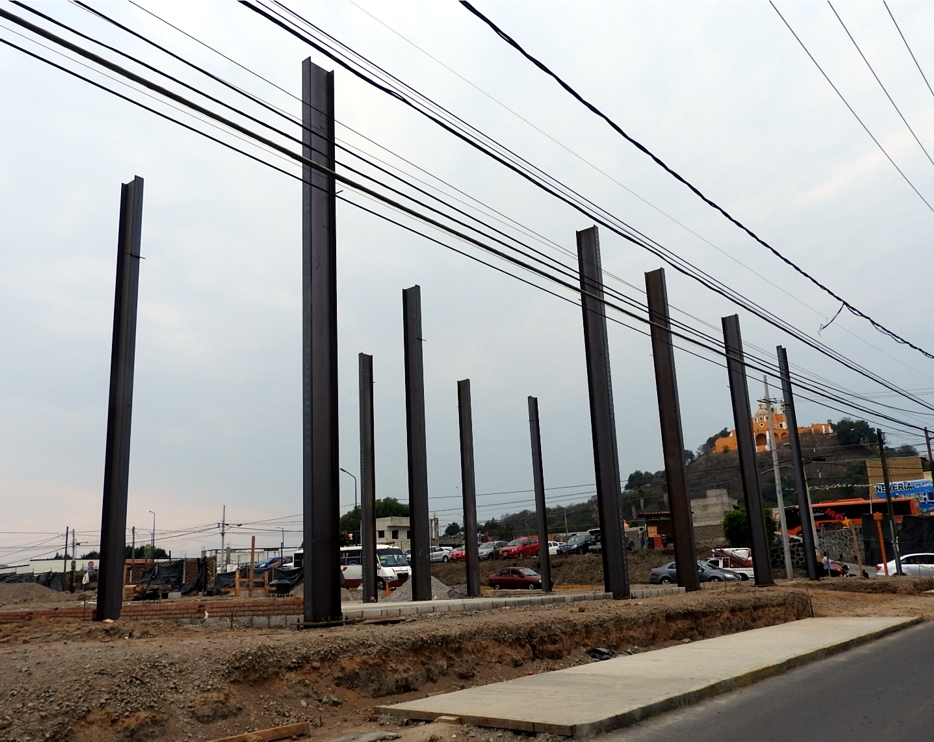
553 548
440 554
912 564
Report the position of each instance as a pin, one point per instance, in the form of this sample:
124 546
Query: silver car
912 564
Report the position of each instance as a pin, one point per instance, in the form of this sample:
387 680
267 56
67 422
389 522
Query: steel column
321 504
742 419
538 477
669 415
797 465
120 408
416 440
468 488
602 418
367 480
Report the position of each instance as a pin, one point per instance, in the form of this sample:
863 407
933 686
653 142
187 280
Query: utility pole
223 526
65 556
74 546
468 487
152 543
773 444
888 502
538 478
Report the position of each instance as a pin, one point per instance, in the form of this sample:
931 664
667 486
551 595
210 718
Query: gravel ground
133 681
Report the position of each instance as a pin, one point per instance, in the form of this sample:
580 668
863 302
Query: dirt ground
132 681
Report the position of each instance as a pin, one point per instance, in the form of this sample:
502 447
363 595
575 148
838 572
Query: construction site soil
131 681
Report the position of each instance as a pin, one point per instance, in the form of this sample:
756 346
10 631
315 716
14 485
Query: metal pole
888 502
468 487
120 407
152 543
538 477
417 445
321 496
742 420
602 419
65 554
368 477
789 571
669 415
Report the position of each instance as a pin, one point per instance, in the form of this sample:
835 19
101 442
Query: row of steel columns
322 602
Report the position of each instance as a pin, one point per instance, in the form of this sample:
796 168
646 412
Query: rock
330 700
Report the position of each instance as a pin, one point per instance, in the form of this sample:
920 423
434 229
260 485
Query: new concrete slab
601 696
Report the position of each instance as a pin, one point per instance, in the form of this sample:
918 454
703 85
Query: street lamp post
354 493
152 543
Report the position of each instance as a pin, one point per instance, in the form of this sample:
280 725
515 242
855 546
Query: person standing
826 562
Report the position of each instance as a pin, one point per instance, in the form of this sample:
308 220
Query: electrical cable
408 211
682 266
908 47
696 191
881 85
855 115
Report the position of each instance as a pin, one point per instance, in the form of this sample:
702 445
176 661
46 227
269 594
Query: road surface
881 692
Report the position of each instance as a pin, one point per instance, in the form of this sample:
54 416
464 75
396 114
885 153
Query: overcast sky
720 91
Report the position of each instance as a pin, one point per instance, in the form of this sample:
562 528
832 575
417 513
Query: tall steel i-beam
602 417
321 467
120 408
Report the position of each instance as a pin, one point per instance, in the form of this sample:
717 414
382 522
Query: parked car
515 578
439 554
554 548
669 574
519 547
491 549
579 543
912 564
274 562
408 555
459 554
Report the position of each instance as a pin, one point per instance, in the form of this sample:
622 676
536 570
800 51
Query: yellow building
760 430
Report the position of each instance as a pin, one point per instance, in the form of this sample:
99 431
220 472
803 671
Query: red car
519 547
458 555
515 578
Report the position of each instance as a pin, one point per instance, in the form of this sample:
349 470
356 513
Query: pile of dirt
907 585
20 593
439 591
566 569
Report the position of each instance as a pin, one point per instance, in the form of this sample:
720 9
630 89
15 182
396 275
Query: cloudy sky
721 91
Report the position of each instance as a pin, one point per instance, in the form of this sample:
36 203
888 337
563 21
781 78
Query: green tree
388 507
707 446
736 528
855 474
906 450
453 529
689 456
853 432
641 479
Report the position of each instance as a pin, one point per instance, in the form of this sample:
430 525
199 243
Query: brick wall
171 611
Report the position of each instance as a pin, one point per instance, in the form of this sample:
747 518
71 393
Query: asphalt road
882 692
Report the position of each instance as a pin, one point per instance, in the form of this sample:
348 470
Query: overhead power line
707 343
908 47
694 189
856 116
881 85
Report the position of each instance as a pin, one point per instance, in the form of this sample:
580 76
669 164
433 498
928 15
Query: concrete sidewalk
602 696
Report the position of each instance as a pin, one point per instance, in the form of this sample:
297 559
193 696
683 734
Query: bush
736 528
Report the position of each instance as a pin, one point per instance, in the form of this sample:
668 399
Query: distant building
760 429
393 530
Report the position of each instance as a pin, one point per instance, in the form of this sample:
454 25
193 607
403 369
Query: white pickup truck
735 560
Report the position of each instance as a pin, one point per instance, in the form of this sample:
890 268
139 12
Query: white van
392 570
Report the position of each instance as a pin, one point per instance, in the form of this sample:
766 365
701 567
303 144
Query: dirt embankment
566 569
134 681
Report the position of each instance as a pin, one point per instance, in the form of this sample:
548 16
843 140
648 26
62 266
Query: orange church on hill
760 429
